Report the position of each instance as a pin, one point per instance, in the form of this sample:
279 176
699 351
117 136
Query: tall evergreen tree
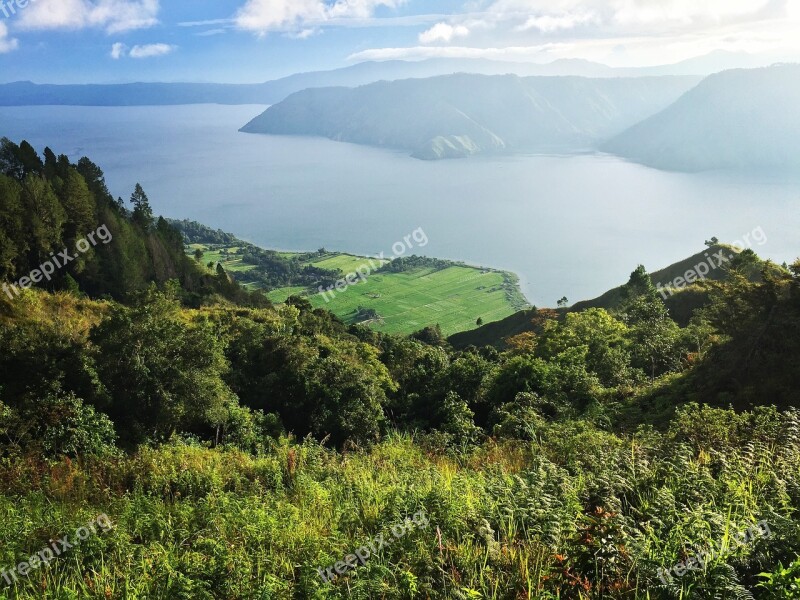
142 211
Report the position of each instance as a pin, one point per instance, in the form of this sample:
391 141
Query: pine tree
142 212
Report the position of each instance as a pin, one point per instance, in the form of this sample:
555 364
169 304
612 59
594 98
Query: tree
458 421
31 162
639 284
601 333
198 255
479 322
161 374
13 241
45 219
10 163
58 424
79 204
655 337
95 179
712 242
347 385
563 303
142 212
431 335
50 164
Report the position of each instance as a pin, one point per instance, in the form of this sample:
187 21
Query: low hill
462 115
735 119
681 300
663 278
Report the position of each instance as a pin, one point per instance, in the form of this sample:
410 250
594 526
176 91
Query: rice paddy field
454 297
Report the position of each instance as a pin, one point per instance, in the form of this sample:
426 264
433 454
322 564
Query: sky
238 41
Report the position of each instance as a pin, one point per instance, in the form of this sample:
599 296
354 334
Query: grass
454 297
579 514
280 295
346 263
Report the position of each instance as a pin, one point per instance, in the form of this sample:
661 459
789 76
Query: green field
228 256
454 297
346 263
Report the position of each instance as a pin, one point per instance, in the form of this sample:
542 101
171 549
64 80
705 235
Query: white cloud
210 32
118 50
263 16
617 32
150 50
550 23
443 32
303 34
635 10
7 44
114 16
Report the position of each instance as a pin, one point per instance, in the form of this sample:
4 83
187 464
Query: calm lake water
572 226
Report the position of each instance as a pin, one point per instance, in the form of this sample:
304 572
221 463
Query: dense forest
240 448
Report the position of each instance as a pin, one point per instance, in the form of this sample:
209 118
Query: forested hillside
240 448
52 212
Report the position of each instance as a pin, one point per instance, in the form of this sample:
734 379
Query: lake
573 226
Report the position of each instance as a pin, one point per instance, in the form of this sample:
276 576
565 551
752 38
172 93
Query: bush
58 425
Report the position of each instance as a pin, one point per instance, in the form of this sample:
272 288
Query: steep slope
735 119
461 115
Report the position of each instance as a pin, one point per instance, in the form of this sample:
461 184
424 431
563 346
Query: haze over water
572 226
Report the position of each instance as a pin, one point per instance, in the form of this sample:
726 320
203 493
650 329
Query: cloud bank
264 16
120 50
618 32
7 44
115 16
442 32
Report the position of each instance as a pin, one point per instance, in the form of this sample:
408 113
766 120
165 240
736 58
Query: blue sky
62 41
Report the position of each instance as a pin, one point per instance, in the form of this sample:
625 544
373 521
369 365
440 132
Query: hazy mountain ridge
734 119
461 115
26 93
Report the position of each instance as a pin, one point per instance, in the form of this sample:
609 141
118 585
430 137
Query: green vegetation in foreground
453 297
508 521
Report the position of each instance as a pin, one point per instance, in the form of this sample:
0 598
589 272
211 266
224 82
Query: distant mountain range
26 93
462 115
743 118
449 108
734 119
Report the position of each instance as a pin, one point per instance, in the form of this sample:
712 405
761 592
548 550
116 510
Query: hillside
463 115
681 301
734 119
62 230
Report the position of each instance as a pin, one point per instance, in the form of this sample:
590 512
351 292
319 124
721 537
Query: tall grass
582 513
